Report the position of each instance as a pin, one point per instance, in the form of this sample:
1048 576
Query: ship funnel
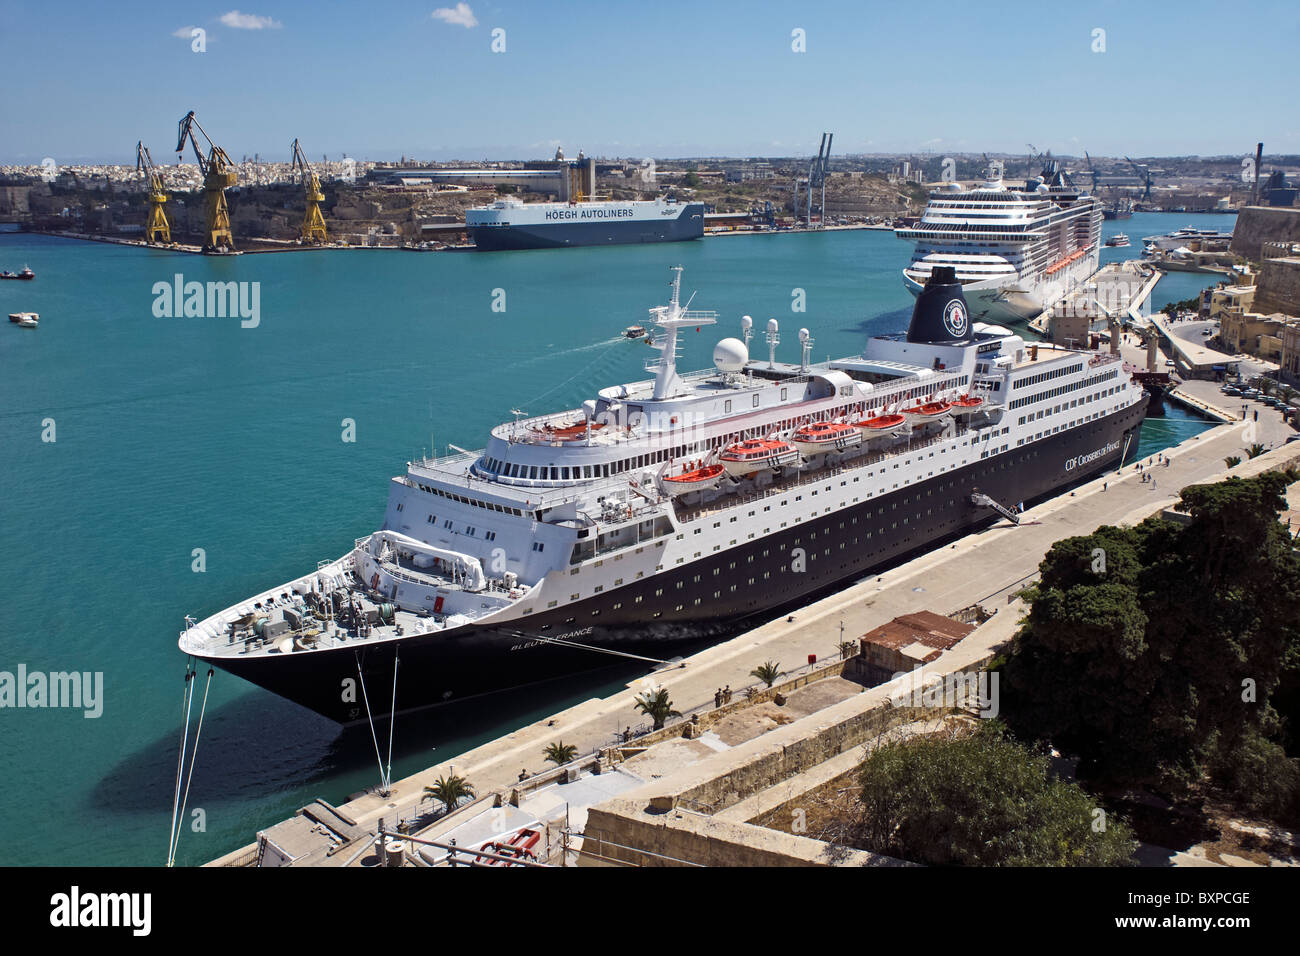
940 314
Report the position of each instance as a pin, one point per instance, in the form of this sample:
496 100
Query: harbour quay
689 794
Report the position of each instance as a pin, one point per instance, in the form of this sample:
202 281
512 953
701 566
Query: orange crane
218 175
156 229
313 223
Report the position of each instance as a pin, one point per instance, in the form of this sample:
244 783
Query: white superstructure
1017 250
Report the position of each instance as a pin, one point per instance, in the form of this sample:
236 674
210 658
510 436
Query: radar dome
730 355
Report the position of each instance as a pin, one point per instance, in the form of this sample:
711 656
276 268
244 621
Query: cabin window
726 407
756 399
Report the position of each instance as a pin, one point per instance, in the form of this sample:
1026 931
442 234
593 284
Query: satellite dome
953 187
730 355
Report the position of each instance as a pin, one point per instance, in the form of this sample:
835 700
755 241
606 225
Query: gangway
984 501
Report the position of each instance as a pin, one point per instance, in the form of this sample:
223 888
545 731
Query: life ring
374 581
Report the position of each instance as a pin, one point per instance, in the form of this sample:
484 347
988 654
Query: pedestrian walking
717 697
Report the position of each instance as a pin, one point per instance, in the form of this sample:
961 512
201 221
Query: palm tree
560 753
1267 386
657 706
1232 461
767 672
1255 450
450 791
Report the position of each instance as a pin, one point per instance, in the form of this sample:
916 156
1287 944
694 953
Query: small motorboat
635 332
28 320
881 426
967 405
926 412
1117 241
695 477
746 457
821 437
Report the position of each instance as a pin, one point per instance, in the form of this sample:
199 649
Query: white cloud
248 21
459 15
185 33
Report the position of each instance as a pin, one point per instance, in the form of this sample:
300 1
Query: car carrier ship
512 224
673 509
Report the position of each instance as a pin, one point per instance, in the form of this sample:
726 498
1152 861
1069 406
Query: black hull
839 548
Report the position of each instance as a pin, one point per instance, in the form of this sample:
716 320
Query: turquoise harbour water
180 433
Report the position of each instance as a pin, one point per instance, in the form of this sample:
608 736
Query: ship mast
670 318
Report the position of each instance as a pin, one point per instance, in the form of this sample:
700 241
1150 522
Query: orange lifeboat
927 412
746 457
967 405
822 437
881 426
694 479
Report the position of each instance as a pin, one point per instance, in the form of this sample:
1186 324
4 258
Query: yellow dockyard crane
218 175
313 223
156 229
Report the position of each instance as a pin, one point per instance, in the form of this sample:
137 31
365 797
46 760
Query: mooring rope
370 717
392 723
598 650
187 701
194 758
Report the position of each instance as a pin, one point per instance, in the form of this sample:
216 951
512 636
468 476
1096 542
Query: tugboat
27 273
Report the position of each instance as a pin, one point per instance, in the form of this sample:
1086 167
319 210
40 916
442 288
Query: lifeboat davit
881 426
746 457
694 479
927 412
967 405
821 437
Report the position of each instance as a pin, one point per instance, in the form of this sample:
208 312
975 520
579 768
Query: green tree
450 791
691 180
1255 450
982 800
1165 636
657 706
767 672
560 753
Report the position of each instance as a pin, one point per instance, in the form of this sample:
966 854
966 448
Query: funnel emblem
954 319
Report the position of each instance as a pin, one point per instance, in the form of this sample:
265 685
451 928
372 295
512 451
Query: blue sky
83 81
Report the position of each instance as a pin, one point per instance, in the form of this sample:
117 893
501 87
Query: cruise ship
672 509
1017 250
512 224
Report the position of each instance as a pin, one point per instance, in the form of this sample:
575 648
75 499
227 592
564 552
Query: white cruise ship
1017 250
670 510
